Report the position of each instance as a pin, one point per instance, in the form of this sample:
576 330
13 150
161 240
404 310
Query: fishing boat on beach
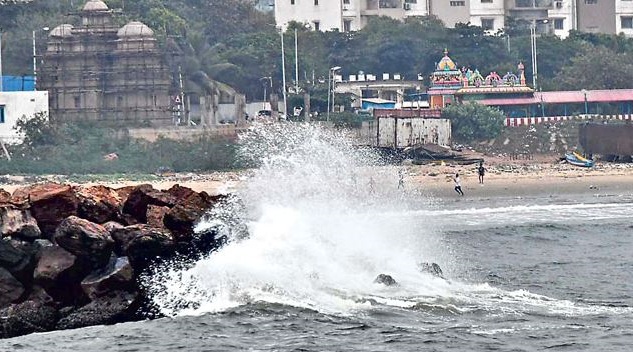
577 159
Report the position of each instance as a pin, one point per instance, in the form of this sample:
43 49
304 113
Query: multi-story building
548 16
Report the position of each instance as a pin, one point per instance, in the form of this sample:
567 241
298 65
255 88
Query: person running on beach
458 185
481 170
400 179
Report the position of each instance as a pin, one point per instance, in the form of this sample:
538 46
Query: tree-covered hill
229 41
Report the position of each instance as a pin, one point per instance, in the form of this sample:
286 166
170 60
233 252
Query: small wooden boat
577 159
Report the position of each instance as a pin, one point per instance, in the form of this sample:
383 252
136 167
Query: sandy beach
541 175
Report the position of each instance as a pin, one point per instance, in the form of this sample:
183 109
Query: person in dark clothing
481 170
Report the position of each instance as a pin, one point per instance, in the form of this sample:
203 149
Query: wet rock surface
71 256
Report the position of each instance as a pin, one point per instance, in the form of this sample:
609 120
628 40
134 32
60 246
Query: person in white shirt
458 185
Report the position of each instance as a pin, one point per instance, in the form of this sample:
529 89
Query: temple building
95 71
449 84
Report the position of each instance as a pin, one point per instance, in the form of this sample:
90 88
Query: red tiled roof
509 101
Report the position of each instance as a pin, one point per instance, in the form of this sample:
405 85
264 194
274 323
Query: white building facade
551 16
15 105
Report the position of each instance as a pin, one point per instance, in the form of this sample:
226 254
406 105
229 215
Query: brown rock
98 203
5 197
85 239
18 222
181 219
180 192
50 204
124 192
10 288
112 225
155 215
59 272
144 195
117 275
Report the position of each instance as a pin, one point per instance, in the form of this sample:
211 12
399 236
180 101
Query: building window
292 2
486 1
347 26
591 2
559 23
317 25
410 1
346 2
458 3
627 22
488 23
1 113
316 2
77 100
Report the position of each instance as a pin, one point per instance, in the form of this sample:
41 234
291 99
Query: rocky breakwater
71 256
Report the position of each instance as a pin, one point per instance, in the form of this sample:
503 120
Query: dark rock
386 280
112 225
85 239
148 245
118 275
50 204
59 272
98 203
144 195
155 215
26 318
431 268
201 244
17 222
116 307
181 219
10 288
19 258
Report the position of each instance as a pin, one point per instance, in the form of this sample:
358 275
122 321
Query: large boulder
50 204
115 307
431 268
98 204
142 244
10 288
181 219
144 195
5 197
386 280
156 215
85 239
19 258
118 275
18 223
26 318
60 273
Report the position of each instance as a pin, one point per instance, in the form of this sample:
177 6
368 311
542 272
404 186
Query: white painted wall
623 8
562 9
494 10
329 13
405 132
16 105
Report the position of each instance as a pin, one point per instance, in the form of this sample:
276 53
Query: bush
472 121
79 148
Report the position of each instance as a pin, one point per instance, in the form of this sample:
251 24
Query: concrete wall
16 105
597 17
392 132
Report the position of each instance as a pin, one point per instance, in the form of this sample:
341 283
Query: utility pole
283 73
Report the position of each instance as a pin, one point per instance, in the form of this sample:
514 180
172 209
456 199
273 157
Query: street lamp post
330 89
35 59
584 92
266 80
533 49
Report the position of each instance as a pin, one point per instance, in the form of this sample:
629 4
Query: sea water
319 219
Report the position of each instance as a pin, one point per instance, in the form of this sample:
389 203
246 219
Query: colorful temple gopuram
448 84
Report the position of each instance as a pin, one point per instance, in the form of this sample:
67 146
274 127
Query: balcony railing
533 4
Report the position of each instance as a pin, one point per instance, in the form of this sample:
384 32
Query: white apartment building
550 16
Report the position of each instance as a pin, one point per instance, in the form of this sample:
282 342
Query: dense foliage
471 122
229 42
80 148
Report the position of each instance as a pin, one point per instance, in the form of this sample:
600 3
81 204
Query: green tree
472 121
590 70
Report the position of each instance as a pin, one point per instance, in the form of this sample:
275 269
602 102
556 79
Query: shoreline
539 176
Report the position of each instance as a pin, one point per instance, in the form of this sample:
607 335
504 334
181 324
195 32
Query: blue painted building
17 83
